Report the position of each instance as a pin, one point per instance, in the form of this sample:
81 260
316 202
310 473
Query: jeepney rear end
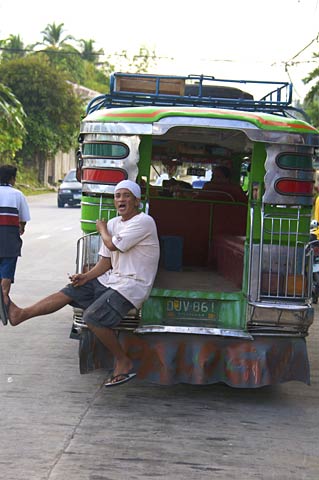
231 301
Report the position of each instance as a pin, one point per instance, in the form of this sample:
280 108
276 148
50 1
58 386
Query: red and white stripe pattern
9 216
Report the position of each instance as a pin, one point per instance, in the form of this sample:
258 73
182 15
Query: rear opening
200 209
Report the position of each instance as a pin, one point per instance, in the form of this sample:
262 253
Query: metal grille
284 264
87 252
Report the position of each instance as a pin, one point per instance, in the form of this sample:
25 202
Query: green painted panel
94 208
151 114
159 292
145 151
182 309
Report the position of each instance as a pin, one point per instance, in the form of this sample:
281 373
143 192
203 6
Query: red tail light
105 175
286 186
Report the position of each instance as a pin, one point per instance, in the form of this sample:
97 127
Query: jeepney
232 298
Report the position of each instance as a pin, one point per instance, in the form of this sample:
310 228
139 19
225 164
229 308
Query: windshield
70 177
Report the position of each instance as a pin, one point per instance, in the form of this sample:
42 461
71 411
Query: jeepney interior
202 231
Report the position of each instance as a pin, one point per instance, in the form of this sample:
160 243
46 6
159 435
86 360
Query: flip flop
3 309
124 377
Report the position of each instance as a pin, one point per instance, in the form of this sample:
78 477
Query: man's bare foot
14 314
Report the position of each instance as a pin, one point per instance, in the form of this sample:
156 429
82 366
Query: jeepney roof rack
133 90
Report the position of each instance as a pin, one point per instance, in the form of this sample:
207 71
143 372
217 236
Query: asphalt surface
56 424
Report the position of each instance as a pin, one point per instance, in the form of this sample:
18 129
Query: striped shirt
13 210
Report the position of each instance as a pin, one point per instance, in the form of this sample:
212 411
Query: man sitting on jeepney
121 280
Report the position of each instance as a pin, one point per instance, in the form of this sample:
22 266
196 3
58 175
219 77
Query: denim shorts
8 267
104 307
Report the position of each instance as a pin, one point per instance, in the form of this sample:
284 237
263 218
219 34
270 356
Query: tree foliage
67 60
141 62
88 52
53 111
12 130
311 102
13 47
53 35
39 78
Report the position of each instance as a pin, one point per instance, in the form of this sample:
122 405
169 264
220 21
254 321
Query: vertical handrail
284 260
261 251
251 251
279 257
84 252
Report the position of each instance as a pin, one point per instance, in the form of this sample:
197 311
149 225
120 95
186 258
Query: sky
243 39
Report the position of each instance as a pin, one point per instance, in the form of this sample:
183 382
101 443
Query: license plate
189 308
77 196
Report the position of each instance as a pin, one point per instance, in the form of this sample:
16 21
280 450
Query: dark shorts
8 267
104 307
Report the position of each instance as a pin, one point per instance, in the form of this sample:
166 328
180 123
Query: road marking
43 237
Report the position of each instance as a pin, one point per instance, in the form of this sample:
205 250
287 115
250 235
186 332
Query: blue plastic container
172 252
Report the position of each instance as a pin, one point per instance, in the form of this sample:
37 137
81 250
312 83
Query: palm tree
53 35
13 47
87 51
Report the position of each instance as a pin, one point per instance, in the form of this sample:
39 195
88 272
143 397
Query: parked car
70 190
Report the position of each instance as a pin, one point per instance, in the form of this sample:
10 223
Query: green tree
53 35
87 51
79 66
62 55
52 108
141 62
67 60
12 130
13 47
311 102
97 78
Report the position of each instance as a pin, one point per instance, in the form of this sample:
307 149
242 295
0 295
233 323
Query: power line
304 48
51 52
75 52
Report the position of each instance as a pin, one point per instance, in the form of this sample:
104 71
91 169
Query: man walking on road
14 214
121 280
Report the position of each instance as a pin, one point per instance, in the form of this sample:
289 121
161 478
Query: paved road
58 425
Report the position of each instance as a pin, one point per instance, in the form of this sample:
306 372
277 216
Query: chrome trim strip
280 306
279 334
88 221
79 323
92 125
194 331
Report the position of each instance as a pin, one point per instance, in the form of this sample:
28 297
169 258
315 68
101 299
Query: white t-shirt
134 264
13 198
13 209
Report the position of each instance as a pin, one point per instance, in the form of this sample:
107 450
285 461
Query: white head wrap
131 186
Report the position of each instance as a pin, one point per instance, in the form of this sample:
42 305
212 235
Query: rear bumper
169 359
